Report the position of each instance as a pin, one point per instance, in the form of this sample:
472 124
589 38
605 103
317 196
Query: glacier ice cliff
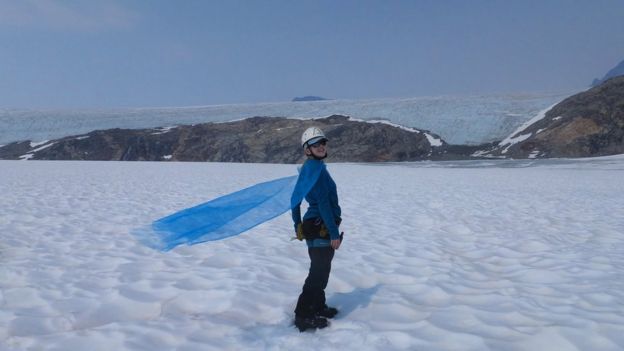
467 120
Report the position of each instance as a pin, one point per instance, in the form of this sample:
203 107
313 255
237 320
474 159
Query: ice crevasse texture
457 119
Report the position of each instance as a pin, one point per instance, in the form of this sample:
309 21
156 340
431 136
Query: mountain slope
587 124
614 72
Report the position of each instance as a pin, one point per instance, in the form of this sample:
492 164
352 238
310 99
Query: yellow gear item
300 235
323 232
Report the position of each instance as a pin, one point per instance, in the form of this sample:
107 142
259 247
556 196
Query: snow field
437 256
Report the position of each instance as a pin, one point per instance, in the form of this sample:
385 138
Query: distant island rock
614 72
587 124
309 98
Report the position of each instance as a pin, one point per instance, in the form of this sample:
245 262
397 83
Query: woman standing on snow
320 230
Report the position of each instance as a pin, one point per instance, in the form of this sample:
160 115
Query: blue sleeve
296 215
325 209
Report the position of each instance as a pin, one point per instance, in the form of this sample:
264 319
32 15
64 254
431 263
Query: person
319 227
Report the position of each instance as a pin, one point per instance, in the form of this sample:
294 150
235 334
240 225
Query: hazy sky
56 54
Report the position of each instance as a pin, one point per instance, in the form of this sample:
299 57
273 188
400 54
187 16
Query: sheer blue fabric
230 214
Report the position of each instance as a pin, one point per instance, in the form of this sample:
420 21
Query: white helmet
312 135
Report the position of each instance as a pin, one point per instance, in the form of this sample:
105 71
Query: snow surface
465 255
457 119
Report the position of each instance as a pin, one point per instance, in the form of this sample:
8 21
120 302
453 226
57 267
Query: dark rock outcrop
257 139
15 150
587 124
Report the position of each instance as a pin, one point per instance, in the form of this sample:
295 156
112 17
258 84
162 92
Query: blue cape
231 214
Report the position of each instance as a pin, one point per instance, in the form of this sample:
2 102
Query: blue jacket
322 202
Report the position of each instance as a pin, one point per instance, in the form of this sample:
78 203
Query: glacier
470 120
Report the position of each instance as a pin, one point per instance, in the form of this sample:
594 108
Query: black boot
305 323
327 312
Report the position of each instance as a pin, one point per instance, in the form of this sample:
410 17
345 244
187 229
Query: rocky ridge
257 139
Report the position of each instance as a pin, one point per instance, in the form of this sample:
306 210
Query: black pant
312 297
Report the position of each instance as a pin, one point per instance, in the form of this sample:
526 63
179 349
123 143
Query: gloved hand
335 244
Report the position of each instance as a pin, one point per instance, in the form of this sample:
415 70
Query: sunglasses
322 142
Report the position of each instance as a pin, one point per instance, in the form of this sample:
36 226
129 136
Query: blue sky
84 54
